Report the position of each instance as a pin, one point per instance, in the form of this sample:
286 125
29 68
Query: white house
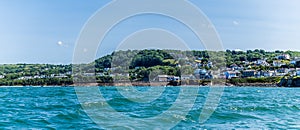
284 57
232 74
267 73
162 78
278 63
281 72
262 63
187 77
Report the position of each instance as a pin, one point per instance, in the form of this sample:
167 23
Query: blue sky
35 31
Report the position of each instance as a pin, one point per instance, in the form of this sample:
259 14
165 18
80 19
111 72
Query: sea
149 108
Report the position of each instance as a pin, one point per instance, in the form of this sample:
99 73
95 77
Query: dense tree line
35 74
34 82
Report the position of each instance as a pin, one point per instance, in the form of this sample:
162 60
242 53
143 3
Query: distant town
233 67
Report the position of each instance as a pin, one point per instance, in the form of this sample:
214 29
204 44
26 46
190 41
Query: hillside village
199 66
278 68
160 66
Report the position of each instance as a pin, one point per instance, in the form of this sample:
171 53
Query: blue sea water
60 108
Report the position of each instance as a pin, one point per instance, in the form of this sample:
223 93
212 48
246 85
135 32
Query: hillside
147 65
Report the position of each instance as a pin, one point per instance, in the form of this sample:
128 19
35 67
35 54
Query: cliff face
289 82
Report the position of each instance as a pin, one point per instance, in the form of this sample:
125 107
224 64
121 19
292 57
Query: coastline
126 84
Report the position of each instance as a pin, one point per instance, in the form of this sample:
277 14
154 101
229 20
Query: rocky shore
178 84
256 84
289 81
285 82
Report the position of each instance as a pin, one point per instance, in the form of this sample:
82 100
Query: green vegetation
145 65
237 57
35 74
255 80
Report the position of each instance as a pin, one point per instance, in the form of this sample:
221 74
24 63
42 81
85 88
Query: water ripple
239 108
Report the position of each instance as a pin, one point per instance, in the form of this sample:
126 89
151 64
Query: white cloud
60 43
236 22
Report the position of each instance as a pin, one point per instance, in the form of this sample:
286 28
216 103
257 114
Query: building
232 74
162 78
262 63
284 57
234 67
267 73
278 63
187 77
173 78
167 78
298 72
202 74
296 59
281 72
248 73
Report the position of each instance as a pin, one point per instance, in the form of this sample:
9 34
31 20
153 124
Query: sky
35 31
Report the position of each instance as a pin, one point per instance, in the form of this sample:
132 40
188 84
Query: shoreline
153 84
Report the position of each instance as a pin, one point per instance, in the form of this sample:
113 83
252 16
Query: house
232 74
201 74
249 73
173 78
298 72
246 62
267 73
278 63
234 67
281 72
106 69
284 57
198 71
208 76
292 72
162 78
69 73
209 64
293 62
187 77
262 63
296 59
